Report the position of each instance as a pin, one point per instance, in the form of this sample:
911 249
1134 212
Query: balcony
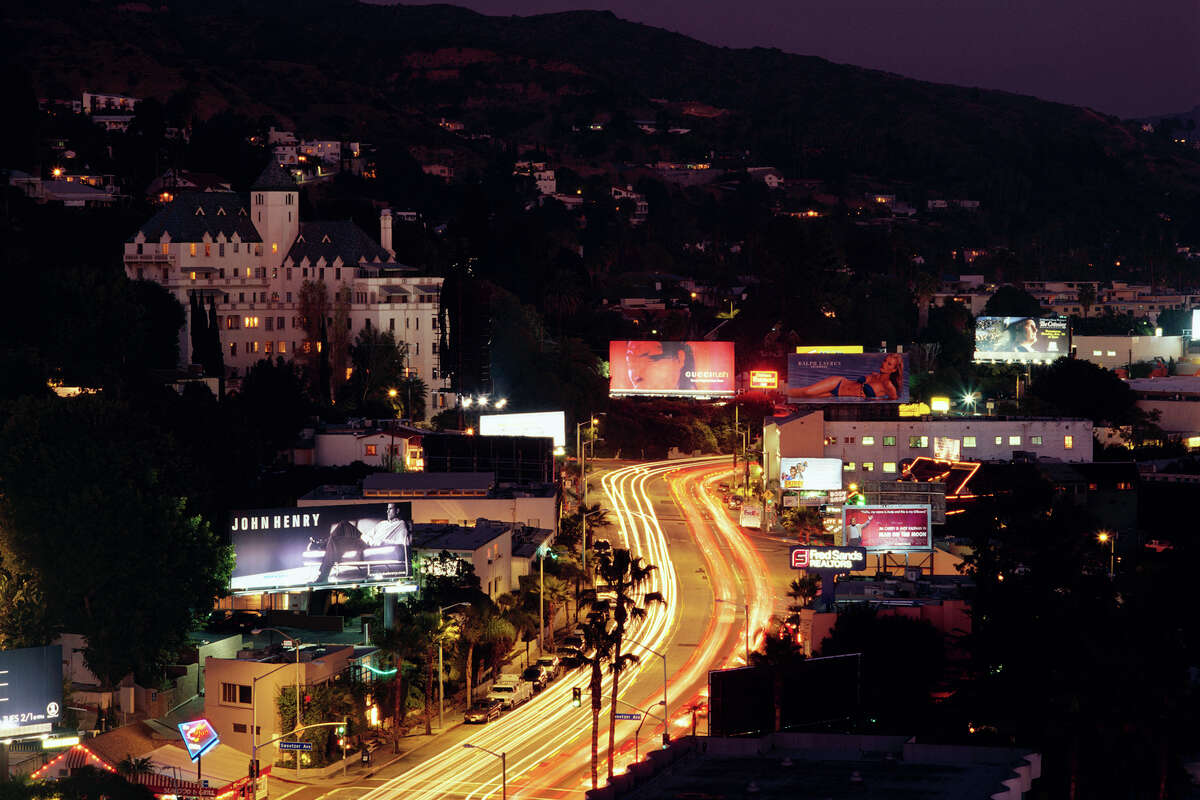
148 258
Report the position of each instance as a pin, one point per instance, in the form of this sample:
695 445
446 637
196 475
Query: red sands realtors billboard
881 528
670 369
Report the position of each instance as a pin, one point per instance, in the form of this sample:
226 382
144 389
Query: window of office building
1035 440
1014 440
889 466
918 441
999 440
372 450
1068 442
847 466
889 441
868 440
868 466
968 441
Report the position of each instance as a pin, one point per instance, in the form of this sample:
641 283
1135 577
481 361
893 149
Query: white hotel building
253 257
877 449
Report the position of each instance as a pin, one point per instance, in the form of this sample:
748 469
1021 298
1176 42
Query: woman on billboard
882 385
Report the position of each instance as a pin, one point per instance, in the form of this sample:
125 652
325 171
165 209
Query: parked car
568 658
226 621
510 693
573 641
537 677
551 665
484 711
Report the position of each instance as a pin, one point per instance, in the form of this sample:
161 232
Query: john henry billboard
280 548
893 528
551 424
820 474
847 378
30 689
670 369
1022 338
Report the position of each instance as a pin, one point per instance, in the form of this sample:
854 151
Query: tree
803 591
401 642
117 505
623 576
1009 301
339 338
482 627
514 609
433 631
597 650
131 766
1072 387
313 308
924 286
781 656
272 403
1086 297
377 365
554 593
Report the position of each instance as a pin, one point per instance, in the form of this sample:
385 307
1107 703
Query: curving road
664 513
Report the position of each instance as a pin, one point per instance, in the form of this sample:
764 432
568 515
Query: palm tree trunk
612 720
429 697
398 689
595 687
469 672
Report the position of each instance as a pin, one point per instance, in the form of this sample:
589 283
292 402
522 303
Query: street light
503 767
646 713
254 715
746 606
664 662
1105 537
296 645
441 672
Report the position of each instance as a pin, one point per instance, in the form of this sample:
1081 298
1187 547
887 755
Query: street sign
630 717
304 747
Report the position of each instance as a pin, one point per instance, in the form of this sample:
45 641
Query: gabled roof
274 179
192 214
333 239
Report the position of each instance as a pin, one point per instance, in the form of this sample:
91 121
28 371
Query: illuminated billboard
848 378
199 737
829 348
764 379
320 546
552 424
1023 339
890 528
1195 324
810 473
670 369
832 559
31 685
946 448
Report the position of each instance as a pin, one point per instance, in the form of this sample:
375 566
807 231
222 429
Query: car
572 641
536 676
510 693
240 621
484 711
550 665
569 658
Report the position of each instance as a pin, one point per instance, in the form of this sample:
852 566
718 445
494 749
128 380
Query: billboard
946 448
887 528
764 379
31 684
320 546
670 369
1195 324
833 559
199 737
847 378
751 516
821 474
829 348
1024 339
552 424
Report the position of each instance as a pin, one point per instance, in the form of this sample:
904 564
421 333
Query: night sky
1117 56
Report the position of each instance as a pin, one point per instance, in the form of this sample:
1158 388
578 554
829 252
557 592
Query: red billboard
887 528
670 369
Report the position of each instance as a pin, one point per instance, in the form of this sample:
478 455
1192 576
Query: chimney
385 231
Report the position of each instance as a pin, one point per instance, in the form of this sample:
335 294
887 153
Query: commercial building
1116 352
1177 401
252 256
877 448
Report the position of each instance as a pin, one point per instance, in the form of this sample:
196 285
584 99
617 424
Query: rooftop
439 536
416 484
1175 384
274 179
192 214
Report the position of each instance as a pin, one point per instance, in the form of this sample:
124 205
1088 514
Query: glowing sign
670 369
829 348
552 424
940 404
810 473
764 379
879 528
199 737
833 559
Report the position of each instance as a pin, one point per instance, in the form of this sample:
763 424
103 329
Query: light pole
441 671
296 644
503 767
646 713
254 715
1109 538
579 451
746 606
664 663
392 449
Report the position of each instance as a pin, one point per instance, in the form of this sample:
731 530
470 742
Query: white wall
1111 352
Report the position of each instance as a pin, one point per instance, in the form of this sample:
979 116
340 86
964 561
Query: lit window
207 249
868 466
1068 442
1097 352
283 347
889 466
889 441
1112 353
999 440
372 450
254 347
267 347
274 247
848 466
165 248
1035 440
918 441
968 441
232 349
1016 440
248 272
868 441
193 248
193 274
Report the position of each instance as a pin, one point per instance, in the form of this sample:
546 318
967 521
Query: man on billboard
855 522
660 365
347 543
1024 335
886 384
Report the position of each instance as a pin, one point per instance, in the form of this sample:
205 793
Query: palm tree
1087 297
597 650
554 592
623 576
924 287
482 627
513 609
802 591
432 630
781 656
402 641
131 766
